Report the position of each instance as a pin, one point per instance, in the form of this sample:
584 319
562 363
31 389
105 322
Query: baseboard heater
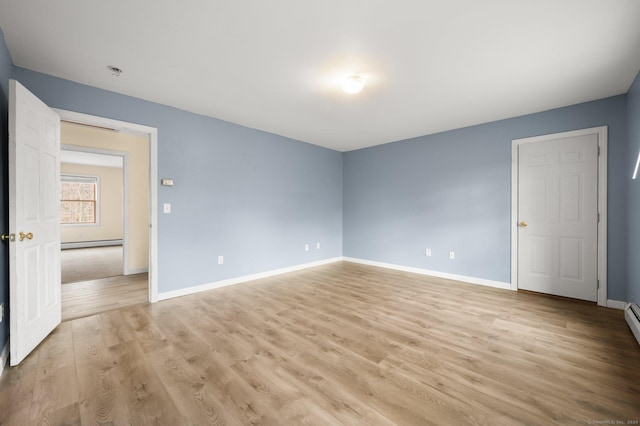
632 315
89 244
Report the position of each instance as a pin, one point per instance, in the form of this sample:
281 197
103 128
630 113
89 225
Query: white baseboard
616 304
137 271
470 280
224 283
4 357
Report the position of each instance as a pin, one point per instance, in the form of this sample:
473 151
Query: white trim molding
454 277
601 132
246 278
137 271
152 134
84 178
4 357
124 155
239 280
616 304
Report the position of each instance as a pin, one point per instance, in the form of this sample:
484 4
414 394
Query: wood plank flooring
338 344
86 298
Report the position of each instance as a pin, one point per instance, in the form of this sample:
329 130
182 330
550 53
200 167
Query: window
78 199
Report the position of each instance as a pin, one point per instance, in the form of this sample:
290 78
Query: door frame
601 133
152 134
125 193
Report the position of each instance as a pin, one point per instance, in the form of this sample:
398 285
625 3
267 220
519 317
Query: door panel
558 200
540 256
34 210
571 255
50 192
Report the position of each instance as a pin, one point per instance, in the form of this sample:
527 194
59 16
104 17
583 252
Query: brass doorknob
28 236
8 237
522 224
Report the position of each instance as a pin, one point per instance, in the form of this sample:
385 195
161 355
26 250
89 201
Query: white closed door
558 217
34 221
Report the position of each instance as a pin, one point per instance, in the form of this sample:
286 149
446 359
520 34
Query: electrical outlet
306 247
427 252
220 260
452 255
317 246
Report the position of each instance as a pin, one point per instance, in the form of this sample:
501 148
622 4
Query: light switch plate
166 207
167 182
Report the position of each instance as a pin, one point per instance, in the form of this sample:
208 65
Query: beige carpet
86 264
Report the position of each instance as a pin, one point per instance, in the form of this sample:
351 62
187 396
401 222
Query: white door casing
558 244
125 191
34 210
152 134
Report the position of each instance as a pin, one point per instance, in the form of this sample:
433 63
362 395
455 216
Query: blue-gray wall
452 192
5 72
633 224
257 198
251 196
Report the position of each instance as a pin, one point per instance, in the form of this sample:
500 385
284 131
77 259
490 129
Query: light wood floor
338 344
86 298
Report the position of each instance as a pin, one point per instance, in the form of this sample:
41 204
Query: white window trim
97 178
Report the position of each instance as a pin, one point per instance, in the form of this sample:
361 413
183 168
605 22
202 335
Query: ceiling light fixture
115 71
353 84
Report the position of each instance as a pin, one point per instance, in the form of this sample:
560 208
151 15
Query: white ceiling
276 65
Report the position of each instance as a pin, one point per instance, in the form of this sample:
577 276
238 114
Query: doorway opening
92 193
108 261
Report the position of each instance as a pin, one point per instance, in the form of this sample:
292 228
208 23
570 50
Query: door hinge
598 217
598 150
598 284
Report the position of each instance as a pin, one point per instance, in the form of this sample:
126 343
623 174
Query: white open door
34 224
